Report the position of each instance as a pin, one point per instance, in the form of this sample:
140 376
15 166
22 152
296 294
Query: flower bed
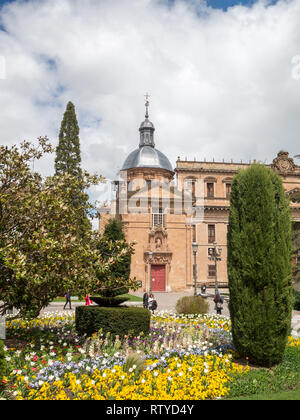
183 357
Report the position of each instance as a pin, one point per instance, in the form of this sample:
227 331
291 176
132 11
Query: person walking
152 303
88 301
218 303
68 299
145 300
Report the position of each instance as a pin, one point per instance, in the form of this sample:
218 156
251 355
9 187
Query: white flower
180 373
41 383
169 378
104 375
155 373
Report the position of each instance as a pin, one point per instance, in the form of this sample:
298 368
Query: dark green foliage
68 157
259 265
192 305
113 234
108 300
116 280
117 321
296 245
2 362
297 300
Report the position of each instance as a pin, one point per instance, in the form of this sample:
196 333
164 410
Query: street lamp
150 261
215 256
195 248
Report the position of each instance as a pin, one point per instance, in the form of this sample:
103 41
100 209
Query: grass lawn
283 395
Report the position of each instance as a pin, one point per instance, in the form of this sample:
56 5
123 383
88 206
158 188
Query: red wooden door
158 275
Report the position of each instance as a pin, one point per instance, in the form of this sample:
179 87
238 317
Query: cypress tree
296 245
113 232
259 265
68 157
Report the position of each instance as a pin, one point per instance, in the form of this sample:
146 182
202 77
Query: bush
115 320
259 265
108 301
297 300
192 305
2 362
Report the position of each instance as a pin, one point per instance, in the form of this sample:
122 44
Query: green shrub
259 265
115 320
2 362
109 301
192 305
297 300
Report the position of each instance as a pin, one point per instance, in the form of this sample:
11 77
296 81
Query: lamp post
215 255
150 261
195 248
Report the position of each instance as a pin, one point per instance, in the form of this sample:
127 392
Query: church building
178 217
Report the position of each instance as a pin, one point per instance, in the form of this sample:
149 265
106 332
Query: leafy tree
41 253
259 265
110 244
68 156
113 232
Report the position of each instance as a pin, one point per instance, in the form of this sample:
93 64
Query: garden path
167 302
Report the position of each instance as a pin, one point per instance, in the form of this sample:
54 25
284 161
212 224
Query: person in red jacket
88 300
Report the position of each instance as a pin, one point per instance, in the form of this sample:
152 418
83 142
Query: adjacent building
164 210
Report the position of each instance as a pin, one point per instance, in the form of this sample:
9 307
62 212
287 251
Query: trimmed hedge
108 301
115 320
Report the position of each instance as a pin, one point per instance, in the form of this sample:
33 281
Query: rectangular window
157 217
210 190
211 233
228 190
211 270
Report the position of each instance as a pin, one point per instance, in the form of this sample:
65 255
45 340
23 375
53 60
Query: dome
146 124
147 157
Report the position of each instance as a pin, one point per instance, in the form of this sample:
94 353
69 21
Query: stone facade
165 211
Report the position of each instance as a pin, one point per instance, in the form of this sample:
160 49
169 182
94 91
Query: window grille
157 217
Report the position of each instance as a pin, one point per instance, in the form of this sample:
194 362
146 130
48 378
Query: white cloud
221 83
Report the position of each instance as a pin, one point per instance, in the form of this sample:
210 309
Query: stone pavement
167 301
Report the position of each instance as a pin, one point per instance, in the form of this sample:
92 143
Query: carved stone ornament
158 229
159 258
294 195
283 163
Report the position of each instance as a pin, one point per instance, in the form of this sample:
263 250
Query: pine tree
68 157
259 265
